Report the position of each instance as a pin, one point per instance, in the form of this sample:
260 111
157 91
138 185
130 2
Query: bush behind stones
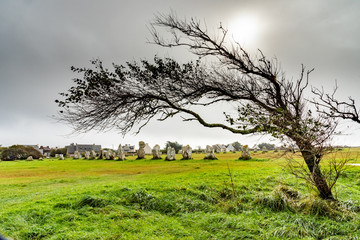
20 152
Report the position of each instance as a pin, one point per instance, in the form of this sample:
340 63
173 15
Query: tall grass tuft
147 201
91 202
350 205
285 199
323 208
282 198
141 197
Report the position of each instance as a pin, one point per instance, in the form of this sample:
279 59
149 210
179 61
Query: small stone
30 158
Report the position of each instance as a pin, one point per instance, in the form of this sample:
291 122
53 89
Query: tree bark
319 180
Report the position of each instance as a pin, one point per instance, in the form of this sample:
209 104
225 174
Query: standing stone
156 152
276 149
30 158
107 155
186 152
210 153
170 156
87 155
101 154
77 155
245 155
256 149
120 153
61 157
92 154
57 155
141 151
264 149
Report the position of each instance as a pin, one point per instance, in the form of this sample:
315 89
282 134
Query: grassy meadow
182 199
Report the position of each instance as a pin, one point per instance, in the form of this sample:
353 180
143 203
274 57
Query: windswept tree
267 102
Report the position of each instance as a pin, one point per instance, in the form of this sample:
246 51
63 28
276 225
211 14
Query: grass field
156 199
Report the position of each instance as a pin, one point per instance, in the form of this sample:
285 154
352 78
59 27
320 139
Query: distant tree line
268 146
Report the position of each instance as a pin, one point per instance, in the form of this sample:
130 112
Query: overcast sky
40 40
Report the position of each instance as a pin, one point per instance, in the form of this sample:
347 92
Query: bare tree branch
329 106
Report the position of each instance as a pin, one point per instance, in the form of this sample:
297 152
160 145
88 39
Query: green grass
183 199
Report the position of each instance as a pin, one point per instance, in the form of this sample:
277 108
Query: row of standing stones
186 152
156 152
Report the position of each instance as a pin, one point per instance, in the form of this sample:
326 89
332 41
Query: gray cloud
40 40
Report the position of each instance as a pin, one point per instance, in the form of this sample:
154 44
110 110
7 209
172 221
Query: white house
230 148
147 149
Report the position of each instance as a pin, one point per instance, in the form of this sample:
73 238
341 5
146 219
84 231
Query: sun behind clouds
244 29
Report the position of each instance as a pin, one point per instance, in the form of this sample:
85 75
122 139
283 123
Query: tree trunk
318 179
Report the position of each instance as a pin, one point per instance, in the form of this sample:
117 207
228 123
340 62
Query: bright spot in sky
244 29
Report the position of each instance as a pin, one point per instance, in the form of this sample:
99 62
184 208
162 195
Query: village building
230 148
46 151
82 148
220 148
127 148
147 149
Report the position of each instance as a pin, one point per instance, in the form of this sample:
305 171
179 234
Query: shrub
20 152
55 151
2 149
177 146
